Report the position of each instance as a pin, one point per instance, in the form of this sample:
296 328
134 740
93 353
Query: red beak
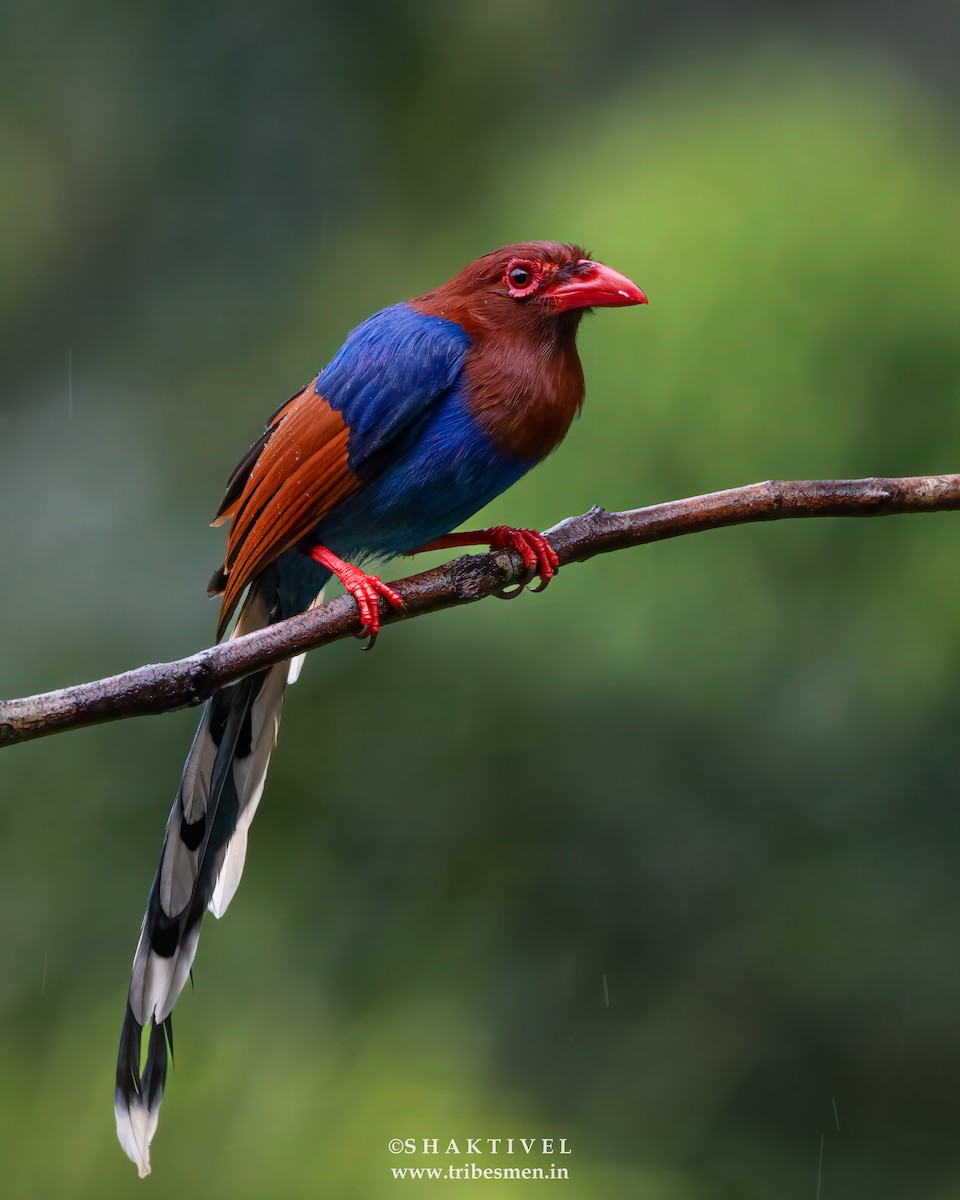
595 285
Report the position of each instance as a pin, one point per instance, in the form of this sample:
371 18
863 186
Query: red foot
539 557
365 589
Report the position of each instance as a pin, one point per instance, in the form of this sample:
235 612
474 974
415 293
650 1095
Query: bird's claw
510 592
539 557
367 590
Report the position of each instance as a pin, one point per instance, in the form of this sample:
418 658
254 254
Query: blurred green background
663 861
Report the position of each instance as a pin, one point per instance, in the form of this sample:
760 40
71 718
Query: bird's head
530 285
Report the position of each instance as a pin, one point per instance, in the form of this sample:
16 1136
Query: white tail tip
136 1125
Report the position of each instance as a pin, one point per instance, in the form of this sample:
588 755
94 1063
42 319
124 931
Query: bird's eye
521 278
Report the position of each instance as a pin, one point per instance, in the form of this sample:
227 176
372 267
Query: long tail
200 867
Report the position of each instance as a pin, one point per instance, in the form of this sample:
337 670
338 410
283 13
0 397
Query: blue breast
437 477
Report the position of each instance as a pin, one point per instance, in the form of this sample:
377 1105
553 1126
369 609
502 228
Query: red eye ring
521 277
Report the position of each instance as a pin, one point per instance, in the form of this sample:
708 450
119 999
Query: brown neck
525 392
523 371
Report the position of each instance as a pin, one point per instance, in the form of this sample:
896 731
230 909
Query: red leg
365 589
539 557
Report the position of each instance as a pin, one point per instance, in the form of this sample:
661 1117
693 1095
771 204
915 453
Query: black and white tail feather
200 867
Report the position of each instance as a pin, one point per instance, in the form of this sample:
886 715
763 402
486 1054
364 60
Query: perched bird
429 410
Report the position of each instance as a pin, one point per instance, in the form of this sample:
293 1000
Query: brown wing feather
241 472
294 477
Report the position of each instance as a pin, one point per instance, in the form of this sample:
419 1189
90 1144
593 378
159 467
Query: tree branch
167 686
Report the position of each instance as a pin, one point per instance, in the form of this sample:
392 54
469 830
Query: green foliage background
663 861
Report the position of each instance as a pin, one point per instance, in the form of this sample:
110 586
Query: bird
430 409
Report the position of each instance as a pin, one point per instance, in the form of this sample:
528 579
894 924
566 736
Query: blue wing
388 377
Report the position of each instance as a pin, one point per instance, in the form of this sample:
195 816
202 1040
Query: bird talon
539 557
365 589
510 593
